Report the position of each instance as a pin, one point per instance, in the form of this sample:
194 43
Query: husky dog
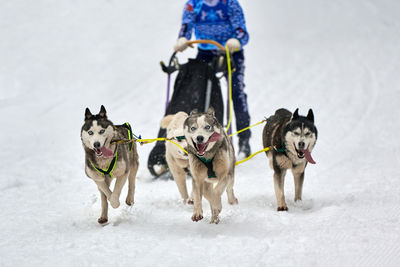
291 139
212 162
105 159
177 159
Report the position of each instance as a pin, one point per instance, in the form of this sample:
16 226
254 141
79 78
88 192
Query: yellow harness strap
252 155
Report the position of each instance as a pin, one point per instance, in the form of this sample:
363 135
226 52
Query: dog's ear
211 111
194 112
103 112
88 114
310 115
295 114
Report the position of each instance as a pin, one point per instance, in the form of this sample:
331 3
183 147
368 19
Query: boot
244 148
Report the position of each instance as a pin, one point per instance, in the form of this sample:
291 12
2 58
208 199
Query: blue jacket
217 20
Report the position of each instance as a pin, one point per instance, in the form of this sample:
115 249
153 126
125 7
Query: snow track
340 58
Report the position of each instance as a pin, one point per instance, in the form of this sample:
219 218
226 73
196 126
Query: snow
340 58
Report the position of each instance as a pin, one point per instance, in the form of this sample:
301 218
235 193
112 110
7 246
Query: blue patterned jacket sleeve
188 20
238 22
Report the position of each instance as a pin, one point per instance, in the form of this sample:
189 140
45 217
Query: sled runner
196 87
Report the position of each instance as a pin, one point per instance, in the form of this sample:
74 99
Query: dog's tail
166 121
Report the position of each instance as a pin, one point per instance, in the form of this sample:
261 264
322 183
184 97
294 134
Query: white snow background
340 58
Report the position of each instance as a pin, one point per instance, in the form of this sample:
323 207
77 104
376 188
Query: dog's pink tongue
201 148
214 137
308 156
106 152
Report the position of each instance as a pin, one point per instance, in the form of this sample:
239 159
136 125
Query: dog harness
209 164
110 168
130 134
282 149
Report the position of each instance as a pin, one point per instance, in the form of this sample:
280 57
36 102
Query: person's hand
233 45
181 44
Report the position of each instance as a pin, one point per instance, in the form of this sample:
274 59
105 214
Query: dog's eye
193 129
208 127
296 133
90 133
101 131
307 134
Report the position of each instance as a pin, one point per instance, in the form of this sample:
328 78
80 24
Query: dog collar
179 138
110 167
209 164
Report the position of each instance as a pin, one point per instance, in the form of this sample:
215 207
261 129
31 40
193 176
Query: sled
196 86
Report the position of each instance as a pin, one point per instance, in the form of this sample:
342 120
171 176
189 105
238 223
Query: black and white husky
212 162
291 138
105 159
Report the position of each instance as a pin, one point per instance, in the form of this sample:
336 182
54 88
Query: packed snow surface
340 58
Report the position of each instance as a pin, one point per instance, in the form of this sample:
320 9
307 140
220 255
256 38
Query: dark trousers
239 97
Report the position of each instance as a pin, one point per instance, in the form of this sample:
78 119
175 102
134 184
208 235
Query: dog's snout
302 144
96 144
200 139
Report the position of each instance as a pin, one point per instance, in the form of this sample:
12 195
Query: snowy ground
339 57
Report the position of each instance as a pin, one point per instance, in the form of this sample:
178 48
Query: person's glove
233 44
181 44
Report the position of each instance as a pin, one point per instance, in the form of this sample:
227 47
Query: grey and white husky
212 162
105 159
291 138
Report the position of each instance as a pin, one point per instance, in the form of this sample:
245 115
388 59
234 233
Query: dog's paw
190 202
234 201
129 200
197 216
214 219
114 201
102 220
283 208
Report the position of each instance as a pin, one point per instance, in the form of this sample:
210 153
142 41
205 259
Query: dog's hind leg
229 191
104 206
279 184
190 201
298 184
180 180
130 197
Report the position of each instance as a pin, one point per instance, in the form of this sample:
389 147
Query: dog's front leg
279 184
119 183
197 197
104 205
214 198
104 209
104 186
298 184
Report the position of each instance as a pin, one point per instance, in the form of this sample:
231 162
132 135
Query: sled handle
220 46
